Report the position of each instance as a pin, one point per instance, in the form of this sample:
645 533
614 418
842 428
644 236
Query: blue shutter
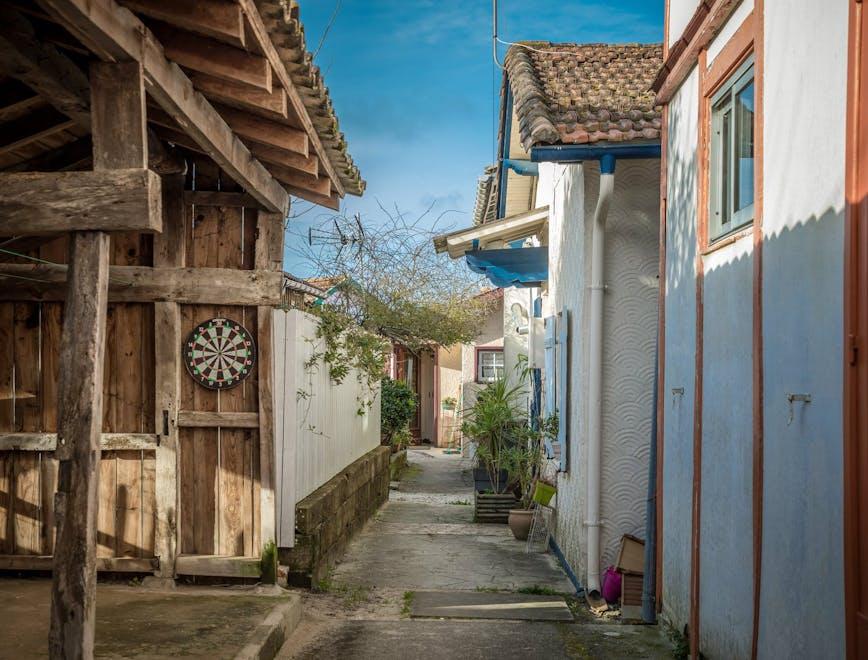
549 344
563 387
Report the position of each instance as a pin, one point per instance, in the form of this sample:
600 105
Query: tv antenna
339 233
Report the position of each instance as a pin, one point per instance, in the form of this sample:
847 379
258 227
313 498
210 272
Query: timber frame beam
48 441
99 200
204 286
116 34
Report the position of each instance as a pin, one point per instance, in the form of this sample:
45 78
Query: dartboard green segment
219 353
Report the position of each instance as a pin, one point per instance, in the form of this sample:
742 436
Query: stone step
487 605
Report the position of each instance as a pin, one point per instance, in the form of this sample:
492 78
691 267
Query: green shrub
398 405
402 438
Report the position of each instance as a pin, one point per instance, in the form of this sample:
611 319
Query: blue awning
524 267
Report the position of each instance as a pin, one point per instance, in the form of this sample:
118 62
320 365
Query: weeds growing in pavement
537 590
408 602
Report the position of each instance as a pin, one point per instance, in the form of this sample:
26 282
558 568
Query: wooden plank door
856 341
219 467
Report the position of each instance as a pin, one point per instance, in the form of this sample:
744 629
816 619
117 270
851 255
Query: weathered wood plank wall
29 360
218 468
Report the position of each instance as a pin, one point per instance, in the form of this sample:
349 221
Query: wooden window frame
476 363
723 101
714 78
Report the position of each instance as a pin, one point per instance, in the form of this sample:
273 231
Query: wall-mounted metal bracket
793 398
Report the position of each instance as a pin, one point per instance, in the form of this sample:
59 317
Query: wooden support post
79 403
268 255
168 251
119 141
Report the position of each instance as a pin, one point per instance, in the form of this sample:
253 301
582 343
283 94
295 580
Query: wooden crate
491 508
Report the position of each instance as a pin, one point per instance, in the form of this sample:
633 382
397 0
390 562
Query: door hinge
853 349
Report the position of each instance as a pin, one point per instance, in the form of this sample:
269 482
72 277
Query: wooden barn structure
148 152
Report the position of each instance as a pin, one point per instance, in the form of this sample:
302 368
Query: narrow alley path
424 543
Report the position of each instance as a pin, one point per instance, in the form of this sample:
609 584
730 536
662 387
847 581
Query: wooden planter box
482 481
493 508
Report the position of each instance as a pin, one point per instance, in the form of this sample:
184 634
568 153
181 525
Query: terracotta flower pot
519 523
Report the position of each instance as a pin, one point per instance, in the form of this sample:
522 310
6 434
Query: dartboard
219 353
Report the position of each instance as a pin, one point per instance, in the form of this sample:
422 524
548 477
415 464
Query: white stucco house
574 235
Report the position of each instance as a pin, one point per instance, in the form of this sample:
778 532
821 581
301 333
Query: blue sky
416 90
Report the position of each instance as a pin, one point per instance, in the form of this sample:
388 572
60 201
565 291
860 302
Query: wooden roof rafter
113 33
220 48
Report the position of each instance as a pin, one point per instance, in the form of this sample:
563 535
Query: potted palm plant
495 424
522 462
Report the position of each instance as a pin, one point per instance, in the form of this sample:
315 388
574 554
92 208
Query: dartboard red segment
219 353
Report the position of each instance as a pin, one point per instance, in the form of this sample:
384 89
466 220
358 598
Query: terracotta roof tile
584 93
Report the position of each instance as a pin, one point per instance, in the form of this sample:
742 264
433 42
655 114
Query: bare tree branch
392 282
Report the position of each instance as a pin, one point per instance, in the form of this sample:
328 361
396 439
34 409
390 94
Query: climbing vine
343 346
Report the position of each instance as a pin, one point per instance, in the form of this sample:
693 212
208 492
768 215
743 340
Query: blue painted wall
680 347
803 251
726 505
802 501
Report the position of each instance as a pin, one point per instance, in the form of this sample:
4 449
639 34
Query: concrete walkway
424 539
135 622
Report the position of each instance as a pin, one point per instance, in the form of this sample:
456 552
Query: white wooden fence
318 430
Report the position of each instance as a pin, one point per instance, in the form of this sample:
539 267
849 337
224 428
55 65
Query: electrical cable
532 48
29 279
21 255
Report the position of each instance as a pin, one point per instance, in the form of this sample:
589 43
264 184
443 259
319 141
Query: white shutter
563 387
549 344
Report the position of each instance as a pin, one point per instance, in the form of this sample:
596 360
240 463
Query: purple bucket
611 585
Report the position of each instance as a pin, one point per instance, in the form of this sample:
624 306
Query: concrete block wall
327 519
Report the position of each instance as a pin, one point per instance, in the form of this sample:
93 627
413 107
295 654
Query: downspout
506 127
595 375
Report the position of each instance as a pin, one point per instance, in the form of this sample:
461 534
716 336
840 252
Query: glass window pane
725 166
490 365
744 109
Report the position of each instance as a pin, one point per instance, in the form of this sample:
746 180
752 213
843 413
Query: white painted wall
678 387
317 433
680 13
741 12
514 344
630 316
491 336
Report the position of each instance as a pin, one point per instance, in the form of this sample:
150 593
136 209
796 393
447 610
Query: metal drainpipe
595 370
649 580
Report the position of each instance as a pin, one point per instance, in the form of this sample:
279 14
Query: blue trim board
576 153
567 569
